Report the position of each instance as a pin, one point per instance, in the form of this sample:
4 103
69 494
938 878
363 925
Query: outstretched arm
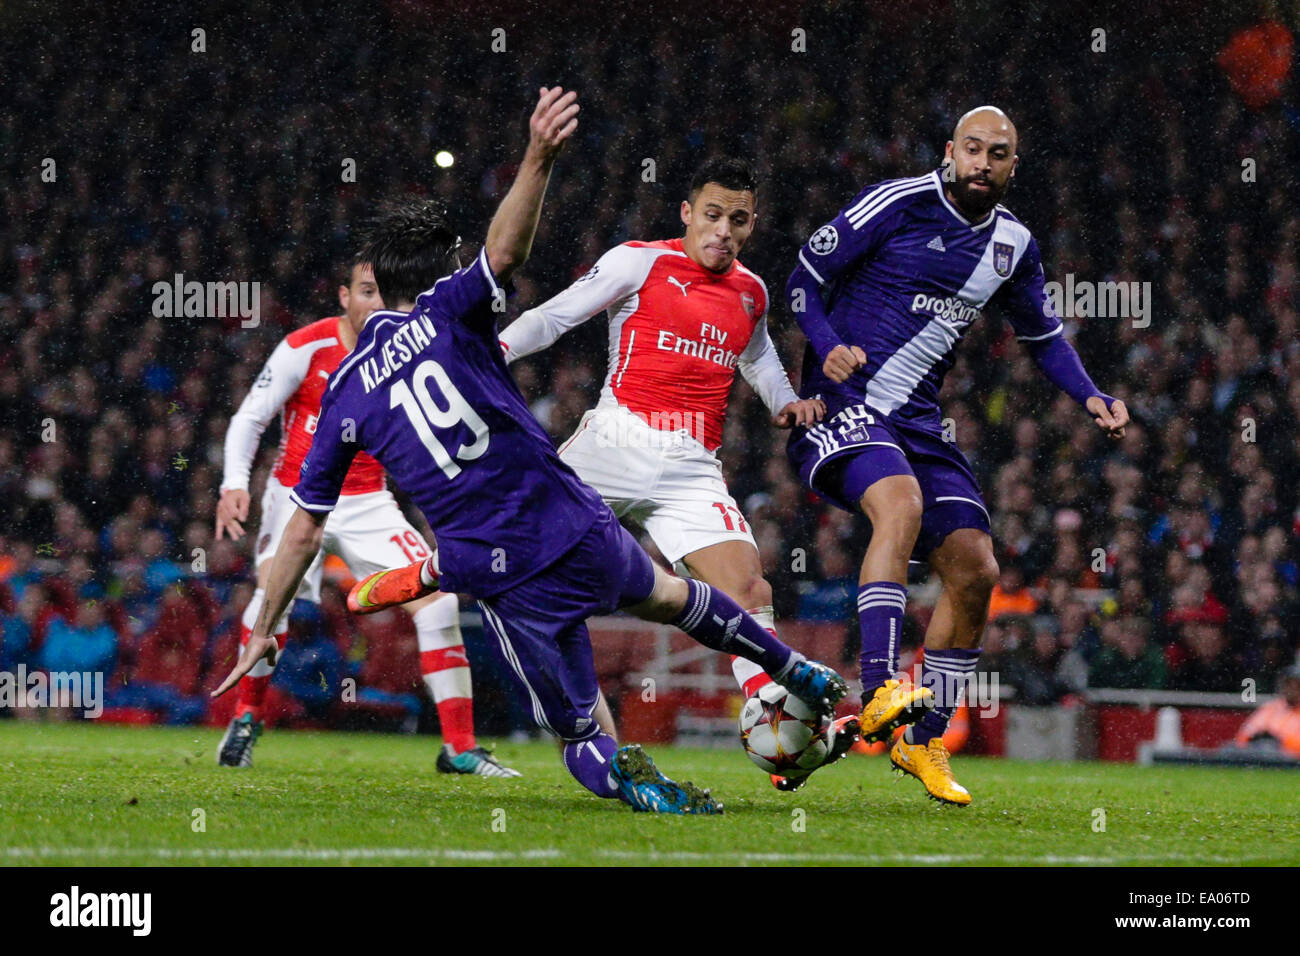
298 547
1060 363
279 378
323 471
1037 325
615 276
510 236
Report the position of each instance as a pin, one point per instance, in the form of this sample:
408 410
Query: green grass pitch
82 794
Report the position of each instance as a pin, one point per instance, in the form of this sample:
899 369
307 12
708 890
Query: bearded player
683 314
428 392
367 530
884 293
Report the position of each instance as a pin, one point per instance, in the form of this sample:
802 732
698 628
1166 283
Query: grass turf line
84 794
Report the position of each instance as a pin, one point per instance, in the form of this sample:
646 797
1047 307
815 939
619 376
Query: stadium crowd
1168 560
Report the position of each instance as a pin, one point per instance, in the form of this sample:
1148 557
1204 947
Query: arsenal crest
747 303
1002 252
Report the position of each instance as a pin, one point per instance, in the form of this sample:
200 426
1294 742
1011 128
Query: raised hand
510 236
553 121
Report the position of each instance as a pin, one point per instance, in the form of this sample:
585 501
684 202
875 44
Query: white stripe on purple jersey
902 275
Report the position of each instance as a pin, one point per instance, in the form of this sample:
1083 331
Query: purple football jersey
902 275
428 394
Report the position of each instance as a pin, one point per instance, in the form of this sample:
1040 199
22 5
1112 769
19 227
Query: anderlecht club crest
1002 258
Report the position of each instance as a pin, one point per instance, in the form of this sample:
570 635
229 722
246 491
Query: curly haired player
427 391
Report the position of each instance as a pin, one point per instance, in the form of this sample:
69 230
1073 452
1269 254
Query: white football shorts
368 531
666 482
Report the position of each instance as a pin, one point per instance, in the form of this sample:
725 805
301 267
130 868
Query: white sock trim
765 616
450 683
429 571
744 671
442 615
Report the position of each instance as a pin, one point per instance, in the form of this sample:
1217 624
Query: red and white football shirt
677 334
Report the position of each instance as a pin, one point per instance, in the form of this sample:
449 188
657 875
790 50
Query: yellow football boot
893 705
929 764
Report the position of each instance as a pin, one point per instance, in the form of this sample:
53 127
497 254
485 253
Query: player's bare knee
908 516
896 505
896 522
977 579
754 592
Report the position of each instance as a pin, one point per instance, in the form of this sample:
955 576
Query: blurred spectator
1039 669
1010 596
390 674
1193 600
311 669
86 645
1277 723
1204 664
1130 661
21 570
164 676
22 629
994 657
833 595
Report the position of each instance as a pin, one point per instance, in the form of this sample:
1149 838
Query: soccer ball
781 733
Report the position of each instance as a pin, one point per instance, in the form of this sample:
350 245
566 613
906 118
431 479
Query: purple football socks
946 673
590 762
880 618
717 621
